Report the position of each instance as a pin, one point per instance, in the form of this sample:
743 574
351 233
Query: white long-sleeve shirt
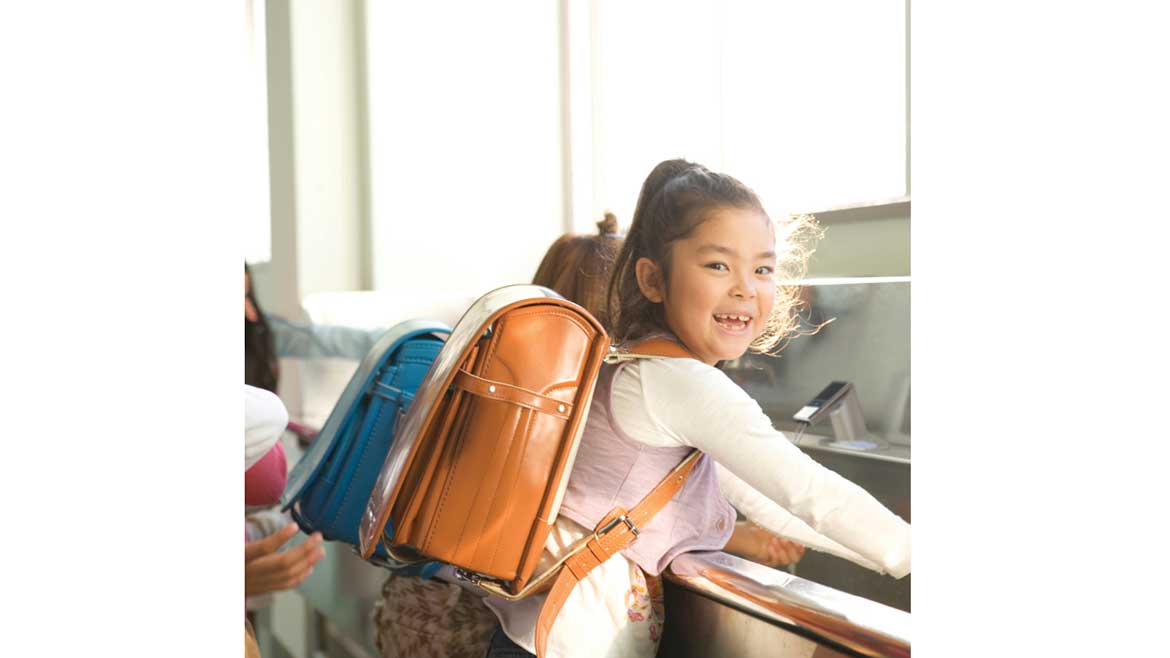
682 402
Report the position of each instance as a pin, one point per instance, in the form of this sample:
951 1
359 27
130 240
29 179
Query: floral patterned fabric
644 602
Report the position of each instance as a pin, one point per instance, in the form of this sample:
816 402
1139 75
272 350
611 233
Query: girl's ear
649 277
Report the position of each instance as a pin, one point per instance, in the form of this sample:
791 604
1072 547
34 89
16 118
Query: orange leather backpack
481 459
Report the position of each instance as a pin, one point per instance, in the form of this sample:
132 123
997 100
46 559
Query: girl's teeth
735 322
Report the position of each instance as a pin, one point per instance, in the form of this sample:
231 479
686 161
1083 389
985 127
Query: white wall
465 143
327 133
316 152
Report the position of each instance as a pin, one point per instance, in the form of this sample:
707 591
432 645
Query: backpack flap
338 427
476 474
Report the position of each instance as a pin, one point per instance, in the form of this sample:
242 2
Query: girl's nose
743 289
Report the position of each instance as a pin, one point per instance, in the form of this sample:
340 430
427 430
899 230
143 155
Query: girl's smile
735 324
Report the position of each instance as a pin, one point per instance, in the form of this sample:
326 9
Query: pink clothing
612 469
264 482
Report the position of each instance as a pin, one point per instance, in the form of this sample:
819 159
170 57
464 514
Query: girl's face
722 284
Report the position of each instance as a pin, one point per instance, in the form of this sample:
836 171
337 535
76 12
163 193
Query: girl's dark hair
261 369
675 198
578 266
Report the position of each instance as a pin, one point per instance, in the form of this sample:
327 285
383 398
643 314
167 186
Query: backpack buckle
467 576
613 523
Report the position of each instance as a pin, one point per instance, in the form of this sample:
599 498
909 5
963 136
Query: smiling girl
699 266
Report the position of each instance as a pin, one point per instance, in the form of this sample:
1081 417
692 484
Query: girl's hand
754 543
266 569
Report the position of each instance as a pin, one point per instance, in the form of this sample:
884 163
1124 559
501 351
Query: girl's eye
765 270
721 267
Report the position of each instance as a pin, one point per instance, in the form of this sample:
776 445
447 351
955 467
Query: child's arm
689 403
304 340
754 542
760 509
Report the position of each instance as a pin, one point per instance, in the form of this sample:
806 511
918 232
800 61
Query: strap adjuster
613 522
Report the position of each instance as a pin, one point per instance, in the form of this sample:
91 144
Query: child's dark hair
578 266
261 368
676 197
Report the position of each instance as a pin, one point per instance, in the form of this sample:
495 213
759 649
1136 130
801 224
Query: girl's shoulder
682 378
687 401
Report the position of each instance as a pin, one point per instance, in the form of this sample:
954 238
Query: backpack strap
650 348
619 528
614 533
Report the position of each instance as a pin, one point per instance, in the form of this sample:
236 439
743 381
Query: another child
698 266
577 266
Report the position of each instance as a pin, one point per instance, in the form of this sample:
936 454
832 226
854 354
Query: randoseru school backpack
328 489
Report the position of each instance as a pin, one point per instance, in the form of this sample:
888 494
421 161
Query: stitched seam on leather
508 505
362 459
479 539
393 408
333 470
429 456
571 384
493 343
450 476
519 403
481 380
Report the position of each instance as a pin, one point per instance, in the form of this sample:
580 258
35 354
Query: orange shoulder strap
619 528
648 348
613 533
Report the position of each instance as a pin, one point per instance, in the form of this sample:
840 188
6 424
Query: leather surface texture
480 487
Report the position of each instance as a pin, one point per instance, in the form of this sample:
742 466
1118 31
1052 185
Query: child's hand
266 569
754 543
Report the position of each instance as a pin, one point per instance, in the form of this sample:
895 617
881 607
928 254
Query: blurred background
441 145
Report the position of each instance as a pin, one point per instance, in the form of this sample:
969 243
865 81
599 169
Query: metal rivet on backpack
491 389
561 408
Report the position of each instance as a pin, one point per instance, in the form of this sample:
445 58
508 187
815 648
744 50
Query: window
803 101
465 143
495 127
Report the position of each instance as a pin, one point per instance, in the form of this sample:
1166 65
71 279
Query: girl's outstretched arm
759 508
685 402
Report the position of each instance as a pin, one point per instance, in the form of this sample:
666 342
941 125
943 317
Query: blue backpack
328 489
